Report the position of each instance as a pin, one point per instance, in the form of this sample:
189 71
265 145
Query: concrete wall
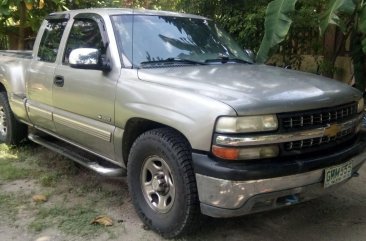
344 71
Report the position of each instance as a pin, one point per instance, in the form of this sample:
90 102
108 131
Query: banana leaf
277 24
332 10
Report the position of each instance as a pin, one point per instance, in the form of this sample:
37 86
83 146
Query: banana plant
331 14
277 24
355 10
350 17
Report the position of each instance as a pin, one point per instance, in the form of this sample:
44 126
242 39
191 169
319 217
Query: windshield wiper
225 60
172 61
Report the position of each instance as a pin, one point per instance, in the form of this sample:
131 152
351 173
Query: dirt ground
76 196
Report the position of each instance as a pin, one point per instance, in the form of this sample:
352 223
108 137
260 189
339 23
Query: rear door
41 73
84 102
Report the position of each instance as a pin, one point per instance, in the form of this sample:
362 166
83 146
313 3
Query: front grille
317 118
297 121
317 142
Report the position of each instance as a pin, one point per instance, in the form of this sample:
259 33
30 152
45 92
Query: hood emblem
332 130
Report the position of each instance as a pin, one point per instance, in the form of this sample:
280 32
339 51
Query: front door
84 99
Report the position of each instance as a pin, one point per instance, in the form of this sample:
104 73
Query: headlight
247 124
360 105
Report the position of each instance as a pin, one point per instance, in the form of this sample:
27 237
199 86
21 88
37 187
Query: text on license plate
337 174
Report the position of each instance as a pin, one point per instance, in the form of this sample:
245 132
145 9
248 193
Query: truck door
41 72
84 98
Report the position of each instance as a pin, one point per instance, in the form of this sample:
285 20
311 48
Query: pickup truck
172 101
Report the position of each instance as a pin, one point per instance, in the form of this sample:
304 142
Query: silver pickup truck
171 101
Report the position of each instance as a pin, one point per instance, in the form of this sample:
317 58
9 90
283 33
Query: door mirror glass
87 58
84 57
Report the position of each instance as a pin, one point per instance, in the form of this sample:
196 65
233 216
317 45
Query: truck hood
255 89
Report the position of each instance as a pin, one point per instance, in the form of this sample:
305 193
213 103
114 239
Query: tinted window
144 38
50 41
84 34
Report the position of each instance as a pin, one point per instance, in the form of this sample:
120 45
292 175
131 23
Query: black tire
12 132
181 215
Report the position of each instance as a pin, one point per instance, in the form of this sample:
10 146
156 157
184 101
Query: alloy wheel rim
157 184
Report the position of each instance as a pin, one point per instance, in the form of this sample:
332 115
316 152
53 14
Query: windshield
147 39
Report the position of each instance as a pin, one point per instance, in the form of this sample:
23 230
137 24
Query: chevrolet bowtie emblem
332 130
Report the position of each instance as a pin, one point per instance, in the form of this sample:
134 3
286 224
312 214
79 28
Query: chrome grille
320 117
316 142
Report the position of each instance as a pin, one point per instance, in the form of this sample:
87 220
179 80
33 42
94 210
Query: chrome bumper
226 198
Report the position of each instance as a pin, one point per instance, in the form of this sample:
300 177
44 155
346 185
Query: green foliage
9 171
71 220
277 25
244 20
11 204
362 26
169 5
331 14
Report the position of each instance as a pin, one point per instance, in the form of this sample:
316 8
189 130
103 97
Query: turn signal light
246 153
225 152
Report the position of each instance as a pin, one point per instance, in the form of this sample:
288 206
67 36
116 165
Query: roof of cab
116 11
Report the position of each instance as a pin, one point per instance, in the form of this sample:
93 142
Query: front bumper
244 191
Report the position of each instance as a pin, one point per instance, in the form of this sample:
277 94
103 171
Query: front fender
190 113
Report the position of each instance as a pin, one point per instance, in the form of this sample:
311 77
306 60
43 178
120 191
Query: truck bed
26 54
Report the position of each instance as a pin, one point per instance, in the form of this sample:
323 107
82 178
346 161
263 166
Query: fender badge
332 130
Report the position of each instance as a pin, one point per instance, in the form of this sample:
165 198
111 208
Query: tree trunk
329 49
359 61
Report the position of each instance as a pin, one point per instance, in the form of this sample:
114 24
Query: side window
84 34
50 41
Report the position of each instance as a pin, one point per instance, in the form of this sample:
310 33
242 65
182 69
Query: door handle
58 80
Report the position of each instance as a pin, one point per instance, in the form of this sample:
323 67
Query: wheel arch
135 127
2 87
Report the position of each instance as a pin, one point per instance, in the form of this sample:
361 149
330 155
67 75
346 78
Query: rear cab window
50 41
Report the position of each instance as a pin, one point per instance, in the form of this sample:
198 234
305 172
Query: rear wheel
162 182
12 132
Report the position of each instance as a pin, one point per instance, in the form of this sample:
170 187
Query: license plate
337 174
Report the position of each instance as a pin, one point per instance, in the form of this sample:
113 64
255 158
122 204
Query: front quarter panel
191 114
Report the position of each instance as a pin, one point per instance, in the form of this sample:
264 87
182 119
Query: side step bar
82 157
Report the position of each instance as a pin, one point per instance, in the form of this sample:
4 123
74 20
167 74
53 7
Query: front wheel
12 132
162 182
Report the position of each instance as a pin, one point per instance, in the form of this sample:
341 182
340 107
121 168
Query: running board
82 157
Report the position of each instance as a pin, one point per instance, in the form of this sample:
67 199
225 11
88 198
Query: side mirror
250 53
88 58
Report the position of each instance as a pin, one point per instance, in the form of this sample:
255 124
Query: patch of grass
4 148
57 164
9 171
71 220
89 187
55 174
32 161
49 179
10 204
6 153
24 152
